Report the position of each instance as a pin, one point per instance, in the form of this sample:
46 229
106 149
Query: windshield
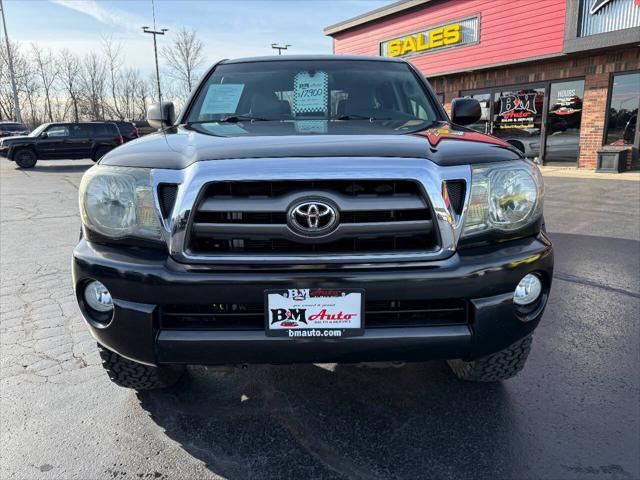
39 130
311 97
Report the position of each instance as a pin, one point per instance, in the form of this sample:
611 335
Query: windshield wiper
355 116
240 118
230 119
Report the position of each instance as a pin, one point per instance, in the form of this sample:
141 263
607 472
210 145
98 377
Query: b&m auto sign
314 312
452 34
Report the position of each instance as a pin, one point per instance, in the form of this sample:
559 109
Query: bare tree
24 74
142 97
70 68
66 86
47 74
184 58
113 60
93 85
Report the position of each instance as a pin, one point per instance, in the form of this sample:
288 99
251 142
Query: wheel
497 366
129 374
99 153
25 158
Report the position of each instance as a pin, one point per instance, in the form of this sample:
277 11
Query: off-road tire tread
495 367
129 374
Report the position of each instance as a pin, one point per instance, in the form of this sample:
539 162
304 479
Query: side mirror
465 111
44 135
161 115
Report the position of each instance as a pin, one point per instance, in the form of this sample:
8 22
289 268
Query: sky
229 29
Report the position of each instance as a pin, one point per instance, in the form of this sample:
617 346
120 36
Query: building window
601 16
517 118
622 116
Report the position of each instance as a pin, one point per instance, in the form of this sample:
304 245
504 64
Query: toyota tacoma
312 209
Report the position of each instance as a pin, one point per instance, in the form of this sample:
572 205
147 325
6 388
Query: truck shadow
310 422
51 167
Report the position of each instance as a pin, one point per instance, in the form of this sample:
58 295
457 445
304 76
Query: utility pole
275 46
10 63
155 32
155 51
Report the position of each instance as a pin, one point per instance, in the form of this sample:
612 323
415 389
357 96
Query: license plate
314 313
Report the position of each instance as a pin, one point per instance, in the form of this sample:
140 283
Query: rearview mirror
161 115
465 111
44 135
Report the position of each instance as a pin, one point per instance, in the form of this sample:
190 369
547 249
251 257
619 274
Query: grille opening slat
360 245
378 314
346 187
281 217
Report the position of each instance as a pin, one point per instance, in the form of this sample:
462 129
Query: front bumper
142 282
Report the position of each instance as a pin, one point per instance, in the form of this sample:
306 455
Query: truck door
79 141
53 144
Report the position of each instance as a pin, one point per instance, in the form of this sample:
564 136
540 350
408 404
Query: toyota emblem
313 217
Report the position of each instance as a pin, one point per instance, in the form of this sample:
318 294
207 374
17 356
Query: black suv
61 141
312 209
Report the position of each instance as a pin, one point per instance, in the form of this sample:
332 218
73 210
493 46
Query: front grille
375 216
378 314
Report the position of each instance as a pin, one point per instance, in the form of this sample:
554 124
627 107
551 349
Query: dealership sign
452 34
518 111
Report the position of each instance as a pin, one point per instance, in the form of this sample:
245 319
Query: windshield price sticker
310 92
222 98
302 313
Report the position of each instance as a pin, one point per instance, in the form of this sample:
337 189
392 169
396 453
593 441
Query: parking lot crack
567 277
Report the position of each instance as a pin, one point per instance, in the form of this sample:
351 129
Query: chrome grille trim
193 179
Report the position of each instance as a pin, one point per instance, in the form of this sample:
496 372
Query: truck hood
13 139
443 144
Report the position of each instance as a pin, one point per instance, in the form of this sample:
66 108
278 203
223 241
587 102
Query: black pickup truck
312 209
61 141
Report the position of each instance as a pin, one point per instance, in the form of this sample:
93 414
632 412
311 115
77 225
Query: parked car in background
62 140
144 128
9 129
128 130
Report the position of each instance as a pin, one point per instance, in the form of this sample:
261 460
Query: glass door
517 118
563 122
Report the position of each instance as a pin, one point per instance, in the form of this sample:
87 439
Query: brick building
559 79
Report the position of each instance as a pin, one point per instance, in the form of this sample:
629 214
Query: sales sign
453 34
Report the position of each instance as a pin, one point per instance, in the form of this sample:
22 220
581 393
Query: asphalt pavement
573 413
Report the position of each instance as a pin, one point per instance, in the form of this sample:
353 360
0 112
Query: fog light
98 297
528 290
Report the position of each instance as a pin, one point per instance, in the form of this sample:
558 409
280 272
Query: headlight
504 197
118 202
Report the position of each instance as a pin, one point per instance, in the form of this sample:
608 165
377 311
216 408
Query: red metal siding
510 30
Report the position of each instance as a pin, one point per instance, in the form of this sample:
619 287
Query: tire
495 367
25 158
99 153
128 374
